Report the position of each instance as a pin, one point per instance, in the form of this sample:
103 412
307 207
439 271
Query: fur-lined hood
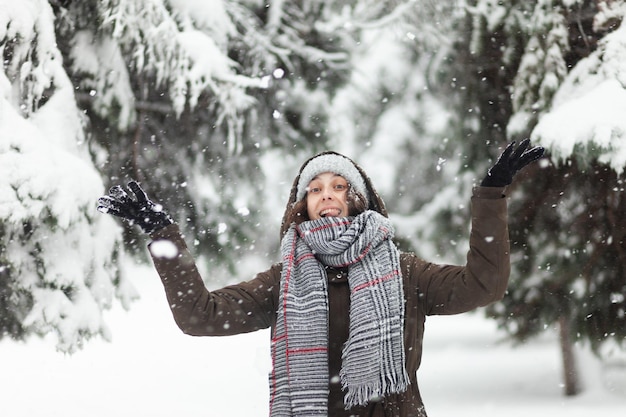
374 201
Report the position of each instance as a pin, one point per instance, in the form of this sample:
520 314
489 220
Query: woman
346 308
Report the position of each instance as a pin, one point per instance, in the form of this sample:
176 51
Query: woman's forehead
328 175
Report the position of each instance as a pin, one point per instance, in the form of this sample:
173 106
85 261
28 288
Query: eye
313 190
341 187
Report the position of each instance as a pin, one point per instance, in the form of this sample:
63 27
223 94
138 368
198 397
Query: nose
327 193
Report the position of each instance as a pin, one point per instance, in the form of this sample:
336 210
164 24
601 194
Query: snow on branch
176 47
29 52
587 119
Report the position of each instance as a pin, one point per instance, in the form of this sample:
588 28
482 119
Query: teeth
326 212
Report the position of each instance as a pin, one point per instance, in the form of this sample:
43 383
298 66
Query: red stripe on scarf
361 256
303 257
279 338
326 226
376 281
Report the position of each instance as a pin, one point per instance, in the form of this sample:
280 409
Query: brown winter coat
429 289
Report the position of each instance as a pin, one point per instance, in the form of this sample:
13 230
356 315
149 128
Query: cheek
344 198
310 207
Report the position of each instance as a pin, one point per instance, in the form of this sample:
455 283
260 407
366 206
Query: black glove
507 165
138 210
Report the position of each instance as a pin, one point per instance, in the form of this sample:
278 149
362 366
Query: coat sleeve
449 289
234 309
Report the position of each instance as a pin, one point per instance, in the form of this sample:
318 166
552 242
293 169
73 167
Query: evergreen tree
566 270
186 97
58 259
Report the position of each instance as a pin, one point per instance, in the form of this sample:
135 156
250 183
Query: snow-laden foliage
182 45
586 120
57 259
542 66
553 71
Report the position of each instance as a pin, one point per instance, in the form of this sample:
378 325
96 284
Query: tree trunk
570 372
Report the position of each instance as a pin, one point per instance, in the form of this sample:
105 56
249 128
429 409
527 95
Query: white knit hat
336 164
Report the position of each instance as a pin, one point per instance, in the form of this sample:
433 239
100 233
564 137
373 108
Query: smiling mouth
330 212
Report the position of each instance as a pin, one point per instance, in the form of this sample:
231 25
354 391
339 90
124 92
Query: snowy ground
151 370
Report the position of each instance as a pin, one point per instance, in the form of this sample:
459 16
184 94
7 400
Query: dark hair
356 202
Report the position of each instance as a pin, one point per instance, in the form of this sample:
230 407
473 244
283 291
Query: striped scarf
373 356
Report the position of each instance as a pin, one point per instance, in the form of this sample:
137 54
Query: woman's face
327 196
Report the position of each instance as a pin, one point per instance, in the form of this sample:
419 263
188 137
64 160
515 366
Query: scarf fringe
362 394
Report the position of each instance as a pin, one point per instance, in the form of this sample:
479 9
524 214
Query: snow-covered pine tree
58 259
584 129
186 97
566 240
542 66
540 73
